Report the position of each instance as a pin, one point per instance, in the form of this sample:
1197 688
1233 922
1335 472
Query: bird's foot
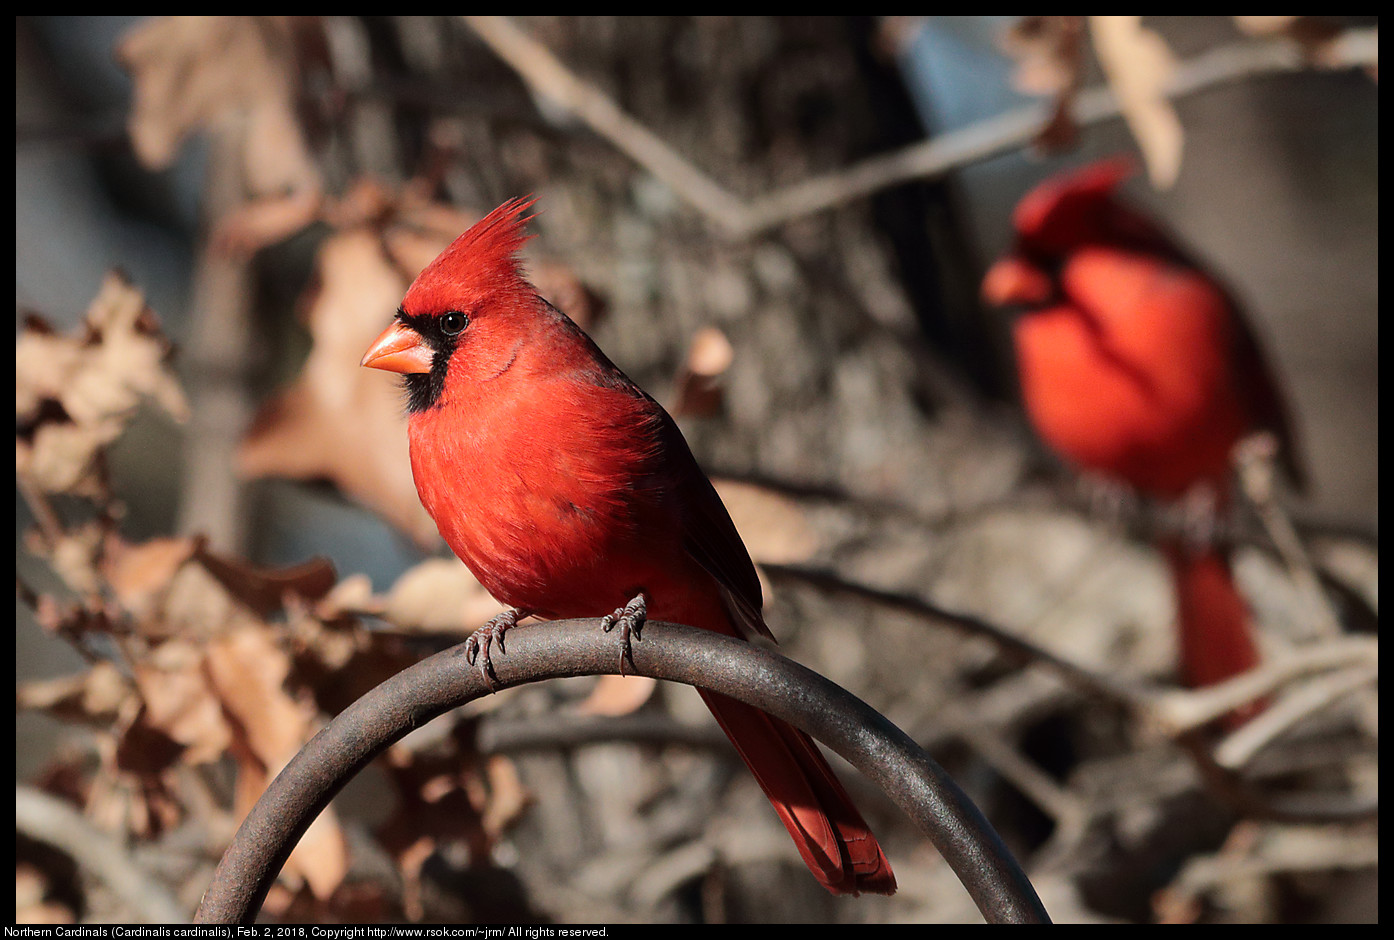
630 619
479 646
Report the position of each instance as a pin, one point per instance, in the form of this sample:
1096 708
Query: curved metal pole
867 739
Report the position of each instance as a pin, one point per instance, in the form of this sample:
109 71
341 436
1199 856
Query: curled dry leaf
75 394
508 797
1317 37
353 595
618 695
137 788
265 221
434 223
37 899
139 575
447 796
72 554
568 293
95 697
1264 25
72 620
699 382
1139 67
353 902
439 594
337 421
775 530
1049 52
264 590
213 73
248 669
180 702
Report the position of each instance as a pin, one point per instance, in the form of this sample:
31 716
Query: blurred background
795 276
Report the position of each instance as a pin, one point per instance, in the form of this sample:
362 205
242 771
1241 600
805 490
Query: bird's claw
479 645
630 619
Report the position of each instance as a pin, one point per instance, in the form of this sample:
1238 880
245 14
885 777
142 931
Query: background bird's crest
1059 211
482 262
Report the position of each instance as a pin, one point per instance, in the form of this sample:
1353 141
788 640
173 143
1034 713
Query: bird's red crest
481 262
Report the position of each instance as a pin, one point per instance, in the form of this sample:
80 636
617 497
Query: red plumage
567 491
1135 363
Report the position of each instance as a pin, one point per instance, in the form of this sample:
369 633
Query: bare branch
553 81
738 218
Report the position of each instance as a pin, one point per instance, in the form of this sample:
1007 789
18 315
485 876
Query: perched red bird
1136 364
568 491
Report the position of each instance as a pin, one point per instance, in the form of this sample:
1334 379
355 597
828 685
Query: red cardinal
1137 365
567 491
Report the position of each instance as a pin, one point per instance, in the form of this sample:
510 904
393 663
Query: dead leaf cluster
203 665
74 394
229 668
196 74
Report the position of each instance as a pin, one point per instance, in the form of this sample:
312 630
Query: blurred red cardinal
1137 365
567 491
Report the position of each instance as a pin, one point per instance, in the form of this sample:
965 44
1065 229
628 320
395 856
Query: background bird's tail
834 840
1213 624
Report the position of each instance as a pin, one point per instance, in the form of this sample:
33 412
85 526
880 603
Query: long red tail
834 840
1216 638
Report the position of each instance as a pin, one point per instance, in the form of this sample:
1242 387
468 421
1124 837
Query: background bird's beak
399 349
1014 280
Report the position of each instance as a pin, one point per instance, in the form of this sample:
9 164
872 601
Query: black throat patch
424 388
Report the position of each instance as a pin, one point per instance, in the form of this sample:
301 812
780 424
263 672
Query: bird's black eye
453 322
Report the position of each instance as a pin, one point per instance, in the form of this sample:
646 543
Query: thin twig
1057 802
1257 468
47 819
554 81
1181 711
1127 696
1281 853
1236 751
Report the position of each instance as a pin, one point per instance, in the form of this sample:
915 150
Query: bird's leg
630 619
480 643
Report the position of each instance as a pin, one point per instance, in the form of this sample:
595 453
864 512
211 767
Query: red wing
710 536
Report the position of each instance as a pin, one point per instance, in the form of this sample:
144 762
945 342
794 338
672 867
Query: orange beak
1013 280
399 349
